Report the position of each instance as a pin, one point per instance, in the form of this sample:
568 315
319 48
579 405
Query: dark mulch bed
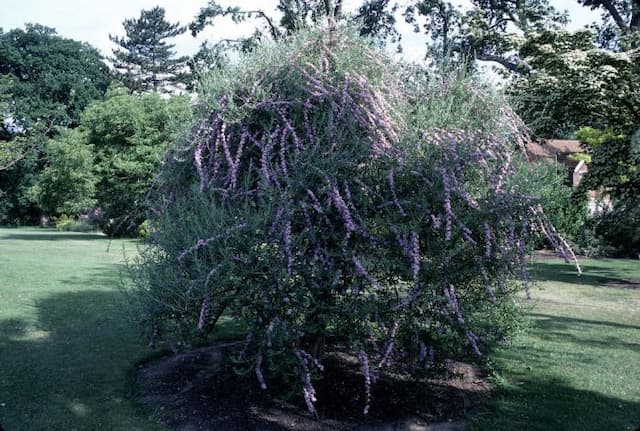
199 391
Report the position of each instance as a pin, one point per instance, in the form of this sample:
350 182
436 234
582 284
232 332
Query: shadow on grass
559 271
54 236
541 398
12 328
549 322
553 405
70 370
581 332
74 368
101 276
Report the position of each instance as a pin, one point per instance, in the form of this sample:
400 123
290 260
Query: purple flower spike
287 246
366 371
487 240
344 211
270 333
431 356
308 391
233 169
311 360
392 186
450 293
198 245
402 241
415 256
446 183
487 286
436 221
473 340
259 375
315 202
197 157
390 345
283 153
362 272
204 313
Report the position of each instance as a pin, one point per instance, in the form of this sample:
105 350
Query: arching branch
518 66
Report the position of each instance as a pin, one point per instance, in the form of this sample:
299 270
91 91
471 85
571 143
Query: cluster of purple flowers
353 237
366 372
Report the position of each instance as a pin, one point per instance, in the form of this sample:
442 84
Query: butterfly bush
320 204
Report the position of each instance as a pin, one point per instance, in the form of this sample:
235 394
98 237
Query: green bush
614 172
620 230
70 224
565 208
331 200
145 229
67 184
129 134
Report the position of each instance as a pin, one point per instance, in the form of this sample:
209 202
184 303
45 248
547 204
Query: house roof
563 146
550 148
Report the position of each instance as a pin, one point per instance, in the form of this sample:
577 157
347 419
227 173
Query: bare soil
199 391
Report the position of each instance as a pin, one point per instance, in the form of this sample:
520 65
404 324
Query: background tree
67 184
440 20
587 84
129 134
12 145
488 30
576 84
374 18
50 79
613 170
560 81
620 25
144 59
496 30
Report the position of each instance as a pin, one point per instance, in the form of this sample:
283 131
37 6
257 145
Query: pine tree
144 60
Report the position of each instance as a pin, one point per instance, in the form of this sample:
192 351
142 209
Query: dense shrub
619 229
332 200
565 207
614 172
67 184
71 224
129 134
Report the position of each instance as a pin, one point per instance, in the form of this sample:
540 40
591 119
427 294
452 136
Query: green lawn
578 366
66 344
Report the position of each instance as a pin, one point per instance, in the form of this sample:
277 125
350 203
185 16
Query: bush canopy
331 200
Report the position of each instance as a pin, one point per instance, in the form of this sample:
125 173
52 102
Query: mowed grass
577 368
66 343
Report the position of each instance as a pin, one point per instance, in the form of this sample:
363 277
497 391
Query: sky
93 20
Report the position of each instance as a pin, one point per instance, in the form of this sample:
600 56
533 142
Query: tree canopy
47 81
144 59
52 78
620 26
374 18
487 30
67 183
129 134
575 84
